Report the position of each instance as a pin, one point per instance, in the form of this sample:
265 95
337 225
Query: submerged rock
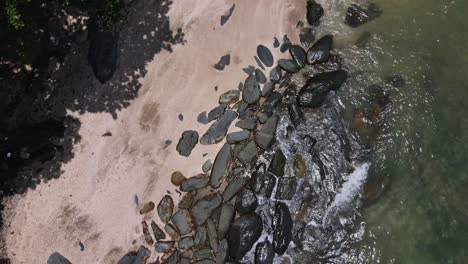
182 222
317 88
357 15
243 234
225 219
234 187
229 97
187 142
202 208
194 183
363 39
248 152
218 129
314 12
165 208
157 231
223 62
246 202
220 166
286 188
298 54
265 55
277 163
57 258
264 253
282 228
251 93
276 74
260 76
320 51
289 65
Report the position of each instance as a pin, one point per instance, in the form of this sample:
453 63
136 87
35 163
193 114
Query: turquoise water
421 153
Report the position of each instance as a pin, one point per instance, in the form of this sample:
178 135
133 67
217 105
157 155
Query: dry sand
94 200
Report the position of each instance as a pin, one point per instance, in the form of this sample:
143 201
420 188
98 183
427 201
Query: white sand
93 201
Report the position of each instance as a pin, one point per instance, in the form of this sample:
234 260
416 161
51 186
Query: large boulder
243 234
314 93
320 51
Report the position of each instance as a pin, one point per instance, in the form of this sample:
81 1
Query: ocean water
415 203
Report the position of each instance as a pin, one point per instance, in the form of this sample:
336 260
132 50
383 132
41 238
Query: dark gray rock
172 232
277 163
248 152
203 118
163 246
225 18
262 117
102 54
157 231
146 233
286 188
173 258
265 55
251 93
165 208
243 234
202 208
314 12
320 51
307 36
200 237
267 88
298 54
216 112
184 260
282 228
181 117
247 123
357 15
289 65
202 253
264 253
233 188
286 44
186 243
249 69
240 86
207 166
225 219
314 93
276 74
212 234
246 202
242 106
259 63
187 142
235 137
262 182
272 102
222 252
276 43
264 137
194 183
229 97
261 78
220 166
295 113
133 257
182 222
224 61
57 258
218 129
205 261
187 200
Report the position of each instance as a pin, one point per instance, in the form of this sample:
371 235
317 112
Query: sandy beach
97 199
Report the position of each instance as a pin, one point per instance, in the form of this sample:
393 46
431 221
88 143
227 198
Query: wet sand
94 201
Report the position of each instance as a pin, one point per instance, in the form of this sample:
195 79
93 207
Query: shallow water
419 150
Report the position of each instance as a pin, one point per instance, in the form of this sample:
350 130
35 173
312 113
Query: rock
182 222
264 253
251 93
314 12
282 228
229 97
223 62
147 207
133 257
246 202
259 63
266 134
194 183
157 231
102 54
307 36
165 208
202 208
57 258
317 88
289 65
261 78
107 134
243 234
363 39
177 178
276 74
172 232
235 137
220 166
247 123
357 15
202 253
163 246
267 88
242 106
186 243
299 166
216 112
218 129
184 261
225 219
187 200
200 237
203 118
262 183
240 86
187 142
286 44
207 166
272 102
225 18
320 51
277 163
295 113
249 69
262 117
181 117
212 234
222 252
276 43
146 233
248 152
298 54
233 188
173 258
265 55
286 188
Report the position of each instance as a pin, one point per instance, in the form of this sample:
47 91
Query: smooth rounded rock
194 183
229 97
182 222
289 65
187 142
186 243
163 246
282 228
165 208
225 219
246 202
172 232
243 234
265 55
261 78
177 178
203 208
320 51
157 231
57 258
222 252
276 74
147 207
251 93
314 12
248 152
218 129
220 166
187 200
238 136
314 93
233 188
298 54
